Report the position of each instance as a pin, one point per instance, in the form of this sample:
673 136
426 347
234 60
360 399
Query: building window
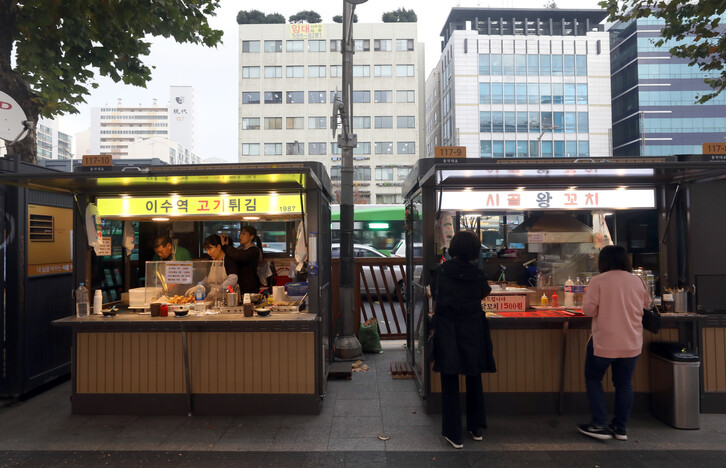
384 173
316 71
361 70
403 172
362 45
334 149
316 97
250 47
406 147
336 45
273 123
295 71
316 46
382 96
582 94
361 173
405 121
389 198
383 70
405 96
295 123
404 70
273 97
273 72
485 122
484 64
361 122
316 148
296 97
295 46
582 122
250 123
384 147
273 149
363 148
485 149
335 173
384 121
250 149
404 44
250 72
273 46
251 97
336 71
361 96
581 65
382 45
316 123
295 148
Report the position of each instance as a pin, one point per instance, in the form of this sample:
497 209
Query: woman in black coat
463 342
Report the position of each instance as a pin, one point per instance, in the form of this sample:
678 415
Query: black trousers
451 409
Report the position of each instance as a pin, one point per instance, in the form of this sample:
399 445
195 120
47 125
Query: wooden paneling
129 363
250 362
529 360
714 359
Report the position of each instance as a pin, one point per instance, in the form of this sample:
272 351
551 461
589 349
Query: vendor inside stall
164 250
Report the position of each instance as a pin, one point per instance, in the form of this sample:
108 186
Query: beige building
289 74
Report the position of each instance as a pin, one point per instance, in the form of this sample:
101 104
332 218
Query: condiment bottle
555 300
569 293
544 302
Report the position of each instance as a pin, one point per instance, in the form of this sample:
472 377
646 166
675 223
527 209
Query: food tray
287 307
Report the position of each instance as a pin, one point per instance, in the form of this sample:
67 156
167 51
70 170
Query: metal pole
346 344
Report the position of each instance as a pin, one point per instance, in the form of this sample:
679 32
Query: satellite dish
12 119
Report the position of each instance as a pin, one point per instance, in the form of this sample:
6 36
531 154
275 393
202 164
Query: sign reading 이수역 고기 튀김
232 204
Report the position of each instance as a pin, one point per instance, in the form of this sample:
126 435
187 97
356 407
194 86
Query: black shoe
596 432
618 432
477 434
456 445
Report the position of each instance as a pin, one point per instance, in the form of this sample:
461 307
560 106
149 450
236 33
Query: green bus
380 226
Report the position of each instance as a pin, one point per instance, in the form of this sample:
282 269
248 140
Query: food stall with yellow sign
217 359
541 223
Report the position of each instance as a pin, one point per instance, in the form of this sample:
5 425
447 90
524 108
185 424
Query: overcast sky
214 72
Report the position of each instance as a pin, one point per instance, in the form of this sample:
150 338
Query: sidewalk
42 432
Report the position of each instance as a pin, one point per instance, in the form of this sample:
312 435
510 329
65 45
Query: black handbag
651 320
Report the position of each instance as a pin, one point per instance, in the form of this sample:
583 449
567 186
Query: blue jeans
622 373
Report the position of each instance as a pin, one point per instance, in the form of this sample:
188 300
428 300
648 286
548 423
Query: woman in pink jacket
615 300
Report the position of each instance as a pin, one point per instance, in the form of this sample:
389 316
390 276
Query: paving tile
260 444
356 426
400 398
152 426
370 407
361 391
394 416
355 444
405 438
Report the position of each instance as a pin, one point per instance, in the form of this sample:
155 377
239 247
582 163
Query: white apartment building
289 74
137 131
526 83
433 110
52 143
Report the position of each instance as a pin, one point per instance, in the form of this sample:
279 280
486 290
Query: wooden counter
541 362
214 364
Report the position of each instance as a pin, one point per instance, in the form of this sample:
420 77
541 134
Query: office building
525 83
654 96
52 143
289 74
163 132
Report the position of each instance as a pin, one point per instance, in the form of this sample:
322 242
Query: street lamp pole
346 344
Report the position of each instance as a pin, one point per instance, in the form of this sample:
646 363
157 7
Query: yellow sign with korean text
307 31
221 205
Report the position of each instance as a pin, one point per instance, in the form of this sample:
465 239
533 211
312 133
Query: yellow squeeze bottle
544 302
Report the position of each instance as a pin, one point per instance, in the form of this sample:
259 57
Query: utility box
674 375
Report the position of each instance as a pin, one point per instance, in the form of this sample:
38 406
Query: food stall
219 360
541 223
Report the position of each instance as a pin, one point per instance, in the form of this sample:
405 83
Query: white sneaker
454 444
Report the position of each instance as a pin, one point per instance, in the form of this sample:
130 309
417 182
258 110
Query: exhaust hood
551 228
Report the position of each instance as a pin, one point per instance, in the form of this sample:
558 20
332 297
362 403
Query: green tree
306 16
60 46
694 27
401 15
258 17
550 4
339 18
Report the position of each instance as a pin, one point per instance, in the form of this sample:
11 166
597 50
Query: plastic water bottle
199 295
569 293
579 292
82 305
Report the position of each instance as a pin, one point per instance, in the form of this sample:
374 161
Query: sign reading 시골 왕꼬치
514 200
224 205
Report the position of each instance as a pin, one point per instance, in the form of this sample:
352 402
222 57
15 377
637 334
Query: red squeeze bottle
555 300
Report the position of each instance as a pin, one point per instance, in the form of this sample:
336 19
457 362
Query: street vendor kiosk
541 223
224 360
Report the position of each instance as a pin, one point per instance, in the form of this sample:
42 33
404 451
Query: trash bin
674 376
